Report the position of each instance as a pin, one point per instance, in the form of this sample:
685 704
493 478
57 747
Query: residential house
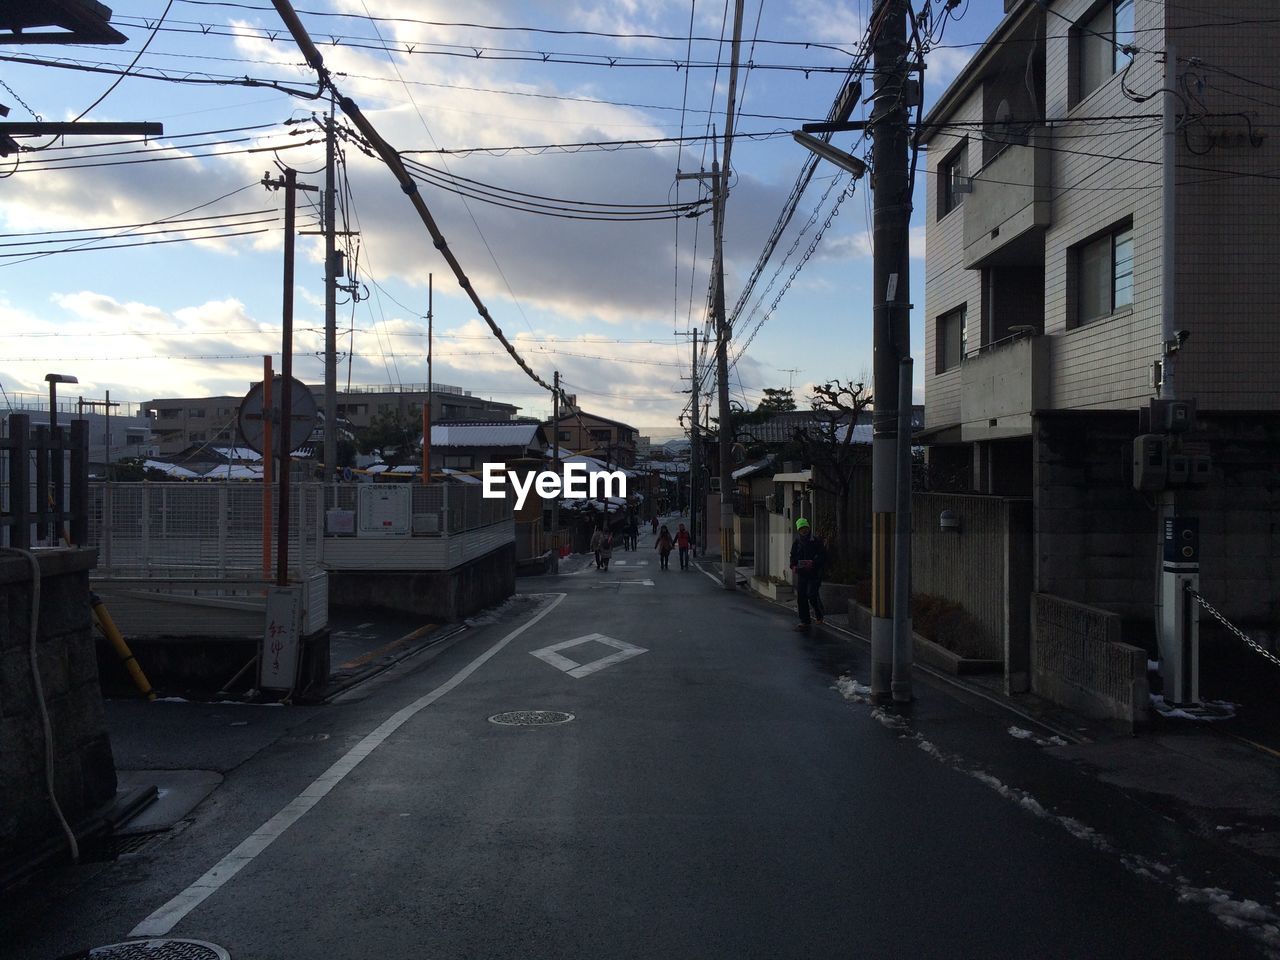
1082 261
588 433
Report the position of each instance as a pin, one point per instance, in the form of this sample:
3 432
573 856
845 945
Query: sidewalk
1221 787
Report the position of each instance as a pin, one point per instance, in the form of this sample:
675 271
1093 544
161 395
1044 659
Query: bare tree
830 447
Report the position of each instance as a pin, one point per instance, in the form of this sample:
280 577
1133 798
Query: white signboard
278 656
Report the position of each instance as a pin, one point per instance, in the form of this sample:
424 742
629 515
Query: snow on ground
1248 916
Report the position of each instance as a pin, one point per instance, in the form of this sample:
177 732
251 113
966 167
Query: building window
460 461
1100 42
132 438
951 339
952 179
565 435
602 436
170 413
196 413
1104 275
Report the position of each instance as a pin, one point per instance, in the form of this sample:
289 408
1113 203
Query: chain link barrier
1217 615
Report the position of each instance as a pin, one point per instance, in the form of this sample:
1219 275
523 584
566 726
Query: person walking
808 558
633 533
596 537
663 545
654 521
606 550
682 542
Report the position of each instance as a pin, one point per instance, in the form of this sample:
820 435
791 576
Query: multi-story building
184 421
125 433
612 441
1101 226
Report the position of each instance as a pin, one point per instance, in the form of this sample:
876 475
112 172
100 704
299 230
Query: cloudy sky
154 268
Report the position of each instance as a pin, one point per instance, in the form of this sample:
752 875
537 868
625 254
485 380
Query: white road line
714 579
552 655
164 919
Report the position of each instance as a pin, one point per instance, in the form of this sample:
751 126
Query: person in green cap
808 558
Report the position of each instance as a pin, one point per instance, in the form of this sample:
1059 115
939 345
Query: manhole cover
530 718
153 950
106 849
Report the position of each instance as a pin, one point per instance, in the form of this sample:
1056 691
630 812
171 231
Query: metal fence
42 483
197 530
440 509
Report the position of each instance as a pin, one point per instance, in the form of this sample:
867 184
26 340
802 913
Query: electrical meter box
1150 462
385 510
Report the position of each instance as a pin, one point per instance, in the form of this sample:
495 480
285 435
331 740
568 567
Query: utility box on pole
1179 627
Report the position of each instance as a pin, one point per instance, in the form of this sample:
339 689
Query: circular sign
347 474
302 416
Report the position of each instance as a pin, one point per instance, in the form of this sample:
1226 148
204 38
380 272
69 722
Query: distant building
128 426
180 422
609 440
468 446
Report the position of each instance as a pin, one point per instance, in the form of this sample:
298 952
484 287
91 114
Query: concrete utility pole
289 182
696 441
106 405
330 307
555 453
720 178
892 342
426 408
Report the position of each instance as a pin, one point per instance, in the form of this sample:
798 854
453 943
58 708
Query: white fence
214 530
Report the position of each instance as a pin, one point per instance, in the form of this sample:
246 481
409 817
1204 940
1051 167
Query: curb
841 633
333 689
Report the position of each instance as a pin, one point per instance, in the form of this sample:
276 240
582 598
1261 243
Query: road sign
553 656
302 415
278 656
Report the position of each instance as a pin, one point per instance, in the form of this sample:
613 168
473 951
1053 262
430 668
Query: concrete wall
439 595
1094 534
984 567
84 772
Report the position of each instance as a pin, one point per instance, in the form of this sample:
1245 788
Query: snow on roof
460 475
598 466
237 453
752 468
484 434
171 469
861 432
234 471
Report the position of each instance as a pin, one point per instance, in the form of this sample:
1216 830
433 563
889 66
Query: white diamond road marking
576 670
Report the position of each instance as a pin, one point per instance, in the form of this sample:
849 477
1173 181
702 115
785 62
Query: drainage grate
154 950
530 718
106 849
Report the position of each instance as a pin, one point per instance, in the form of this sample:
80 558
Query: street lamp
53 379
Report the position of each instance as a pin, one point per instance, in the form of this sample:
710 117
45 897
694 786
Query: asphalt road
721 794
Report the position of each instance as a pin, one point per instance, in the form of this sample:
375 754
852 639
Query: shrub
946 623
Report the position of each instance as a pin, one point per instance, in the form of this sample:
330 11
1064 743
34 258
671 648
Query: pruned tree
392 436
829 445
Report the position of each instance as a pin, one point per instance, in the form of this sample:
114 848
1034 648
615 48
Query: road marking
364 626
164 919
714 579
577 670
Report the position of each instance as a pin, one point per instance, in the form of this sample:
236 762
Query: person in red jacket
682 544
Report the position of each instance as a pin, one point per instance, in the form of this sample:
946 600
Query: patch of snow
852 690
1153 666
1248 916
1021 734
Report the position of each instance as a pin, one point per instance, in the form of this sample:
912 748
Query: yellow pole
109 630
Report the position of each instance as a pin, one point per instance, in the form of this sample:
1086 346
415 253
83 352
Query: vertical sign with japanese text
278 657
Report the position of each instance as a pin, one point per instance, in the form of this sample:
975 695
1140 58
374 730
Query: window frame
1120 274
958 316
1089 38
954 166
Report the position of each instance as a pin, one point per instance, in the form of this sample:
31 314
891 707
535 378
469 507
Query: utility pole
106 405
720 178
330 307
291 186
892 342
693 447
426 409
555 456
